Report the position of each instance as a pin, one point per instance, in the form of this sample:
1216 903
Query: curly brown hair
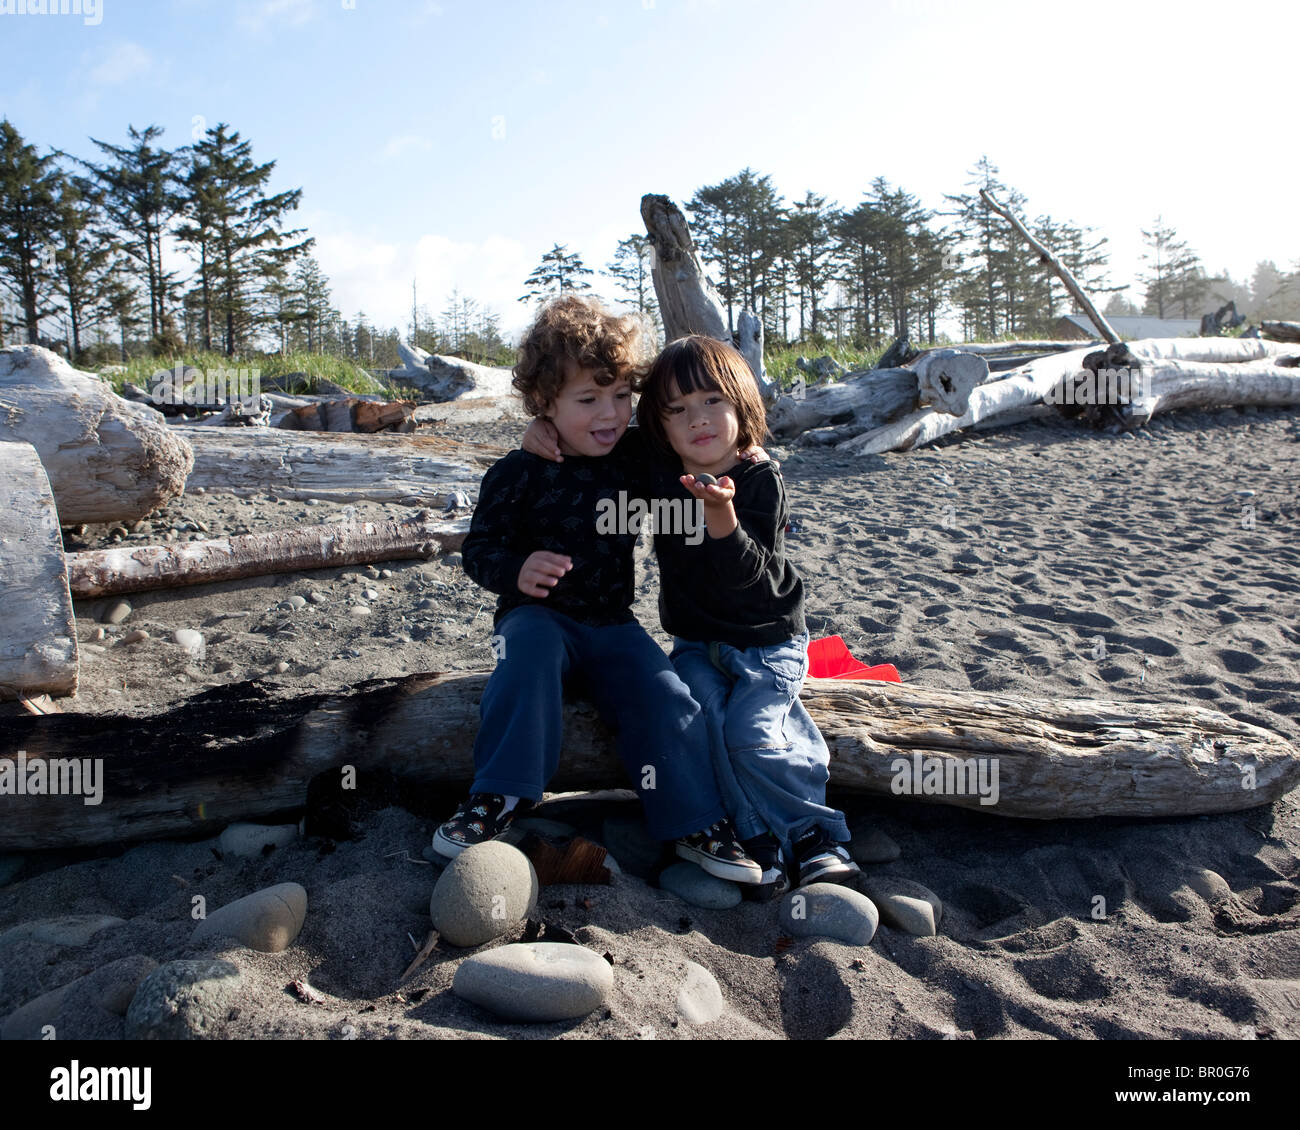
698 362
581 332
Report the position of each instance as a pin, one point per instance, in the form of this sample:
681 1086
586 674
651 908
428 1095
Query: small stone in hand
705 480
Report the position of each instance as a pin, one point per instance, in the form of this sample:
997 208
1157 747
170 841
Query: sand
1045 560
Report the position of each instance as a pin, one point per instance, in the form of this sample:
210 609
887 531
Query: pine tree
84 263
29 186
1176 279
631 268
557 273
312 302
812 244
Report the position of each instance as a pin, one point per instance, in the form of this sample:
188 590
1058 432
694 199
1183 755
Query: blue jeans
771 761
663 740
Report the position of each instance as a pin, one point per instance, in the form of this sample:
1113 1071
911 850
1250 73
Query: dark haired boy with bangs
563 617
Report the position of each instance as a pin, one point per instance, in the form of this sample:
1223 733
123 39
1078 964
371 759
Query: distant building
1079 327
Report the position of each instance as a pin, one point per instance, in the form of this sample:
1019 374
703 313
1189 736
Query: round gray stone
905 905
695 885
268 920
190 641
699 1000
296 602
118 611
250 840
486 891
825 910
1210 885
535 982
184 1000
29 1021
873 846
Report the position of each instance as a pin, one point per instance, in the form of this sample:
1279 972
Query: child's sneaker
766 852
718 852
821 860
476 821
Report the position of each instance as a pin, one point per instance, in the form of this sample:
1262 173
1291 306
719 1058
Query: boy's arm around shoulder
491 553
761 514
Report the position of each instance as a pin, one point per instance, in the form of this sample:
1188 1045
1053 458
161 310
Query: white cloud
125 61
406 143
256 15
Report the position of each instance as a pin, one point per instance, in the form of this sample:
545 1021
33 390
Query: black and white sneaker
821 860
477 820
718 852
766 852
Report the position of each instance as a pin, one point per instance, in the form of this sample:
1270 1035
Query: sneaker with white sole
821 860
718 852
477 820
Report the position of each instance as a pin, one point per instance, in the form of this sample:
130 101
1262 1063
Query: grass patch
312 368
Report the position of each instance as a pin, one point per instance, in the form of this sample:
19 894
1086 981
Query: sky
453 143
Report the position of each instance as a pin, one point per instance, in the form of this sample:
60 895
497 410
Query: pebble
360 610
139 635
311 502
826 910
699 1000
296 602
696 886
486 891
249 840
385 573
118 611
29 1021
191 641
370 594
873 847
706 480
317 597
1210 885
905 905
184 1000
371 571
69 930
427 602
97 633
268 920
535 982
281 667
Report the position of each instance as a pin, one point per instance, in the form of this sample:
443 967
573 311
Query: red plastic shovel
829 658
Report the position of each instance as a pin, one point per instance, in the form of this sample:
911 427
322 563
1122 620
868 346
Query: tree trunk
38 634
341 467
108 460
124 569
688 303
1281 331
239 752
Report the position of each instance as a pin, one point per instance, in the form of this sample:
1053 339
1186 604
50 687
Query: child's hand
541 438
757 454
714 494
542 571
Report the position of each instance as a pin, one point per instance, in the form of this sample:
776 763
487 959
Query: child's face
703 429
590 418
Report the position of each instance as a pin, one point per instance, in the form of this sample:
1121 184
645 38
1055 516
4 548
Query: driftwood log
945 378
1281 331
239 752
350 414
867 400
1049 259
123 569
337 466
450 378
38 636
108 459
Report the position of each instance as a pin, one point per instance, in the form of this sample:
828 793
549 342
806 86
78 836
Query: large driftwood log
123 569
38 636
945 378
450 378
240 753
1049 259
337 466
1199 384
1281 331
108 459
865 399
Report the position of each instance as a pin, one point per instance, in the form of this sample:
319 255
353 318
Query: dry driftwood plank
105 572
342 467
38 634
240 752
1049 259
108 459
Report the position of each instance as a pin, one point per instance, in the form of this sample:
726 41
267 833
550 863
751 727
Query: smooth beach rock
118 611
873 846
826 910
30 1021
268 920
191 641
184 1000
699 1000
695 885
113 986
535 981
248 840
905 905
69 930
486 891
1210 885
